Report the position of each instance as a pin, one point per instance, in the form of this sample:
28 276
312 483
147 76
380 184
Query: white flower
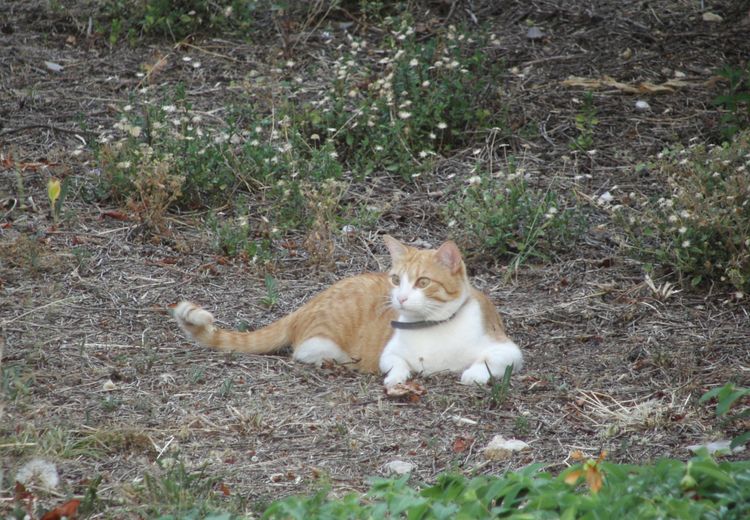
413 62
333 155
124 165
431 136
423 154
672 218
442 126
682 230
476 180
315 137
425 83
403 114
169 108
38 471
685 244
127 108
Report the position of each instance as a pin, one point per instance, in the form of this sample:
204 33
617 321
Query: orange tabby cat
424 317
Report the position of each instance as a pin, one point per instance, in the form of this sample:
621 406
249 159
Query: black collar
414 325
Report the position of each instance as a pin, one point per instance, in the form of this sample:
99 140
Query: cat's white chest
453 345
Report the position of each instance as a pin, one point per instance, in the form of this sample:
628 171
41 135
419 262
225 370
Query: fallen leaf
644 87
461 444
224 489
53 190
410 391
68 510
117 215
21 492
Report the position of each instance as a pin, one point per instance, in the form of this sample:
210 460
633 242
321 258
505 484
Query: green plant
175 19
729 396
272 292
500 388
506 217
735 101
397 110
702 488
585 122
226 388
698 225
174 491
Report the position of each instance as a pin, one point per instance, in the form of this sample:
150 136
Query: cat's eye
423 282
395 280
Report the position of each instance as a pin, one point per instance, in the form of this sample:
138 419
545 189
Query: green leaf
740 440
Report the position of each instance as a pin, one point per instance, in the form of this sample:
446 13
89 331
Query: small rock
712 17
399 467
605 198
534 33
54 67
109 386
349 230
642 105
721 447
501 448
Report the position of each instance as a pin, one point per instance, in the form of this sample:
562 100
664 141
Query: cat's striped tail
198 324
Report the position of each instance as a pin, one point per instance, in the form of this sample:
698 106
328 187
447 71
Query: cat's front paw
396 376
475 375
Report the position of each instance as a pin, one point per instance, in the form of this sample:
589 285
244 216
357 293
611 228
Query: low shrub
700 488
505 217
698 223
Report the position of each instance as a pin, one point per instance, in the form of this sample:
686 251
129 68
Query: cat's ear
396 248
449 255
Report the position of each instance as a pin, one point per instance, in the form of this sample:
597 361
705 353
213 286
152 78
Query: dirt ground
609 364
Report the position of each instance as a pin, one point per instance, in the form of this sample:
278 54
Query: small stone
712 17
399 467
501 448
717 447
348 230
642 105
109 386
534 33
52 66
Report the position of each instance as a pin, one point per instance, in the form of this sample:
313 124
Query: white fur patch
316 350
191 314
458 345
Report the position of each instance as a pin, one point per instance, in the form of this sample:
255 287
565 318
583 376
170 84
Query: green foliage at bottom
701 488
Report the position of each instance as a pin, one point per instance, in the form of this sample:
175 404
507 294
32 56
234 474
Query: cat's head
426 284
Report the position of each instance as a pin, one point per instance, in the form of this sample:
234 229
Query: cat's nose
402 299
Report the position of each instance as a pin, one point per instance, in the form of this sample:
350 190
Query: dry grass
97 378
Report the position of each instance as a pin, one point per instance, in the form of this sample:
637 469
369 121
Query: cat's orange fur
351 321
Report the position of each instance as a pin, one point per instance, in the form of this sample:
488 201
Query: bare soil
609 365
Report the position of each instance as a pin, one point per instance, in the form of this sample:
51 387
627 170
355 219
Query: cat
421 317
